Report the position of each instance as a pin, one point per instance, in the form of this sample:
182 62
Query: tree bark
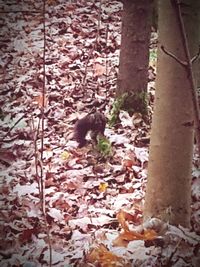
168 193
134 53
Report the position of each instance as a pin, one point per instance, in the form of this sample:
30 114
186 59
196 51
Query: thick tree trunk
134 54
171 148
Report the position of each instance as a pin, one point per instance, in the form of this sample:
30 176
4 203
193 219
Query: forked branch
196 56
183 63
188 67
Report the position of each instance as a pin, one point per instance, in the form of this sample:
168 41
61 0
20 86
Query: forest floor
93 208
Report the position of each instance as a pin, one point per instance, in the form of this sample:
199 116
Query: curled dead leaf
123 216
124 238
101 256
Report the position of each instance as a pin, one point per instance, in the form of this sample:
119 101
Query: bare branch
196 56
182 63
42 182
176 5
42 178
36 153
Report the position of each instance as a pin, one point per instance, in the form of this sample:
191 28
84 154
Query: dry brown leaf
105 258
6 155
70 7
128 163
39 100
49 182
150 234
124 238
99 69
4 189
61 203
121 217
26 235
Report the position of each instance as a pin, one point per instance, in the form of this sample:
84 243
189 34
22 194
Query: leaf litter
94 209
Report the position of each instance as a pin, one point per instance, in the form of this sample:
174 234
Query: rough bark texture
134 54
169 173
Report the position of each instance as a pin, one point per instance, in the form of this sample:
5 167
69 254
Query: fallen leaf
124 238
103 187
121 217
104 258
40 99
65 155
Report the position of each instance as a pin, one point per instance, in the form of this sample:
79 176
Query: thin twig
107 30
169 260
42 109
189 71
20 11
183 63
11 128
36 153
94 45
42 137
196 56
86 66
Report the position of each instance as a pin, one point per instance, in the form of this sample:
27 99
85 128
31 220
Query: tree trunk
134 53
171 148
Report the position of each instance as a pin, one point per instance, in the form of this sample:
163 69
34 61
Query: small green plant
104 146
117 106
152 56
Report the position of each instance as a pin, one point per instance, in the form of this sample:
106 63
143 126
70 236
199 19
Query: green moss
134 102
117 106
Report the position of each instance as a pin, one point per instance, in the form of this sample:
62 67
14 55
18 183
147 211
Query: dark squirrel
94 122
